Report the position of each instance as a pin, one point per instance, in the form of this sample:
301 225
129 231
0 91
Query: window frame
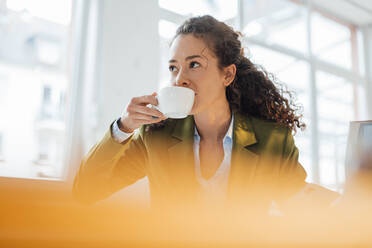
40 190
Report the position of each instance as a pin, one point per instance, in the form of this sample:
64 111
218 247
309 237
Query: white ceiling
358 12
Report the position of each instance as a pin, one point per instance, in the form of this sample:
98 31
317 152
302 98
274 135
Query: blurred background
69 67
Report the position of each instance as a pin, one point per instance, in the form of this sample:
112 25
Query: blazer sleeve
292 175
110 166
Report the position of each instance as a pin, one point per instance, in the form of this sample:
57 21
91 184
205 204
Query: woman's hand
137 114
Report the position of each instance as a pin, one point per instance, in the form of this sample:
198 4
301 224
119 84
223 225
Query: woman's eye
172 68
194 64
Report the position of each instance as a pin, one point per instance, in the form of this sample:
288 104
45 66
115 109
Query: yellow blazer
264 163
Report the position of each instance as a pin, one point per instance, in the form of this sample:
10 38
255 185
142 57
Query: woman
235 146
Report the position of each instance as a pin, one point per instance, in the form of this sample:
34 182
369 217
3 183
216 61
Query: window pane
53 10
362 106
276 22
330 41
335 111
1 146
335 97
33 83
220 9
271 60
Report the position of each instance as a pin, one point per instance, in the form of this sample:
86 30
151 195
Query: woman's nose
181 81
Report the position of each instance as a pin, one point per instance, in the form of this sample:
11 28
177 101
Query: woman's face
193 65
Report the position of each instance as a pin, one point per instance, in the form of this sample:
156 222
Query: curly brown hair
254 91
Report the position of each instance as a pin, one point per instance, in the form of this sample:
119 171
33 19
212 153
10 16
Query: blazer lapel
181 153
243 160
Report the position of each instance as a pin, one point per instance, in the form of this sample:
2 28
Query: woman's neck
213 123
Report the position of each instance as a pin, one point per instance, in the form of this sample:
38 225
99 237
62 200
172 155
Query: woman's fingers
144 100
146 119
146 110
137 113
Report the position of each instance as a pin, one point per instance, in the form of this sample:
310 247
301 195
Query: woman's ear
230 72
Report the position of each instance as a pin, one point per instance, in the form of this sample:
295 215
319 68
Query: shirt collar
228 134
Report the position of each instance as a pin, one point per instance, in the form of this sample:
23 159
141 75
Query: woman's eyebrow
187 58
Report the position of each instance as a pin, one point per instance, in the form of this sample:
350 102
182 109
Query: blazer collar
243 131
184 129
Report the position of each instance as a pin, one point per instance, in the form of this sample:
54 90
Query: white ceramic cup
175 101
